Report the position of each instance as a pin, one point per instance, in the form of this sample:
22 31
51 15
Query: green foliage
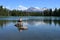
3 11
48 12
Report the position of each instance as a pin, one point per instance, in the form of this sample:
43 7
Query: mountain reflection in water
38 28
30 22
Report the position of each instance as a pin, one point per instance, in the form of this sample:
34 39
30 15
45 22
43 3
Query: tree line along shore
48 12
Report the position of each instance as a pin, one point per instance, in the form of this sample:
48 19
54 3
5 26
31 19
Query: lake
39 28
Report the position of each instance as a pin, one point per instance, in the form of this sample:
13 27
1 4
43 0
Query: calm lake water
39 28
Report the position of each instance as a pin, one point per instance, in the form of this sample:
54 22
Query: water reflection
44 21
52 21
20 26
4 23
31 22
39 28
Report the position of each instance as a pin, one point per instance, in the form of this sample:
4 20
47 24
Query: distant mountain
33 9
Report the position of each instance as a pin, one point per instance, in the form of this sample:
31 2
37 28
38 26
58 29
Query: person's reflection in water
19 29
20 26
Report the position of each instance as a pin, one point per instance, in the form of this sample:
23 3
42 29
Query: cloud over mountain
20 7
29 9
23 8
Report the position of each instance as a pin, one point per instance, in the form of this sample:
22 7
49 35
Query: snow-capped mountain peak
33 9
30 9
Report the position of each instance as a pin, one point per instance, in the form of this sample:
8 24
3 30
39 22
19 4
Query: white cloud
7 7
39 23
41 8
20 7
37 7
53 9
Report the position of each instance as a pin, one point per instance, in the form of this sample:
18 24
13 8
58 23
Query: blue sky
31 3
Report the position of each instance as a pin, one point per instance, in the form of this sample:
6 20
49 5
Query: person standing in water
20 22
20 25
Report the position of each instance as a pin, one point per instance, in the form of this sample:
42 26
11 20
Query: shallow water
39 28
